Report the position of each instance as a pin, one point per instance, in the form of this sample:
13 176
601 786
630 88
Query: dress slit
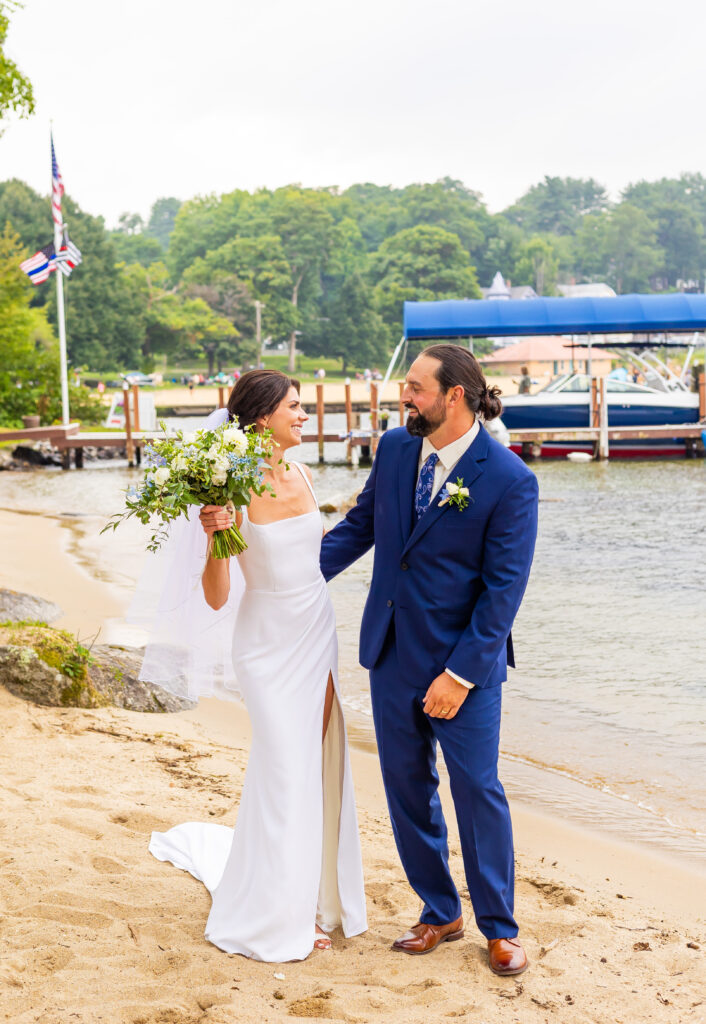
329 909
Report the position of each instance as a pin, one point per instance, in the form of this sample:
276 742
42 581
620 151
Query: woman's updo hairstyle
257 394
459 368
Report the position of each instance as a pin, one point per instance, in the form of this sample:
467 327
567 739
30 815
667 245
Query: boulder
18 607
49 666
37 456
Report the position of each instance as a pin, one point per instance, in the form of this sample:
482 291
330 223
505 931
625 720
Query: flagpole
58 237
62 334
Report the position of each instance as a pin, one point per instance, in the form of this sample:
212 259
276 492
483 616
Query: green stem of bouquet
227 543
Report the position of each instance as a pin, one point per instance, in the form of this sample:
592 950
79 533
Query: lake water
605 717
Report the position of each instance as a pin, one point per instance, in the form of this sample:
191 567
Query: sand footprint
108 866
139 821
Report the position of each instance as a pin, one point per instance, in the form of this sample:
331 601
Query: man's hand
444 697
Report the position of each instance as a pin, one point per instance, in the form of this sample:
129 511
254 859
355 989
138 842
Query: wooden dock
362 444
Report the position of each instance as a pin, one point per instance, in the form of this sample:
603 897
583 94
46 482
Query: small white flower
161 475
213 453
464 492
453 489
180 464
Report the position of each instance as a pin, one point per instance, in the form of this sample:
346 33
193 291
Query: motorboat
565 403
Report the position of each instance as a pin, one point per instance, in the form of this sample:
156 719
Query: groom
451 566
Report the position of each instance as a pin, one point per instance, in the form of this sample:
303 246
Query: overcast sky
155 99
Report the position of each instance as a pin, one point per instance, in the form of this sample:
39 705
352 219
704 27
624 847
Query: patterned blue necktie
425 485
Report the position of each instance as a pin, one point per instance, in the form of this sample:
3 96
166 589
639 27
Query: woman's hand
214 518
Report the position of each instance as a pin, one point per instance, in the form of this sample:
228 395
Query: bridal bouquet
217 466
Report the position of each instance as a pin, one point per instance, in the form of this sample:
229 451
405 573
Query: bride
290 871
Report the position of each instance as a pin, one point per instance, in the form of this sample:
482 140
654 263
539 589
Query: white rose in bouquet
161 475
236 438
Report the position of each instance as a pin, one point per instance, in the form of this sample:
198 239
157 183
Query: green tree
206 333
537 265
304 222
630 249
137 248
91 296
557 205
29 353
230 299
416 264
27 213
203 224
28 360
353 331
15 89
162 219
260 264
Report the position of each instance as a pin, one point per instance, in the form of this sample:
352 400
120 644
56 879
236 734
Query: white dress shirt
449 455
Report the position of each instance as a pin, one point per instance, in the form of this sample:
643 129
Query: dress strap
306 479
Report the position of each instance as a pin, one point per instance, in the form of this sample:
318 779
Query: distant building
545 357
598 290
500 289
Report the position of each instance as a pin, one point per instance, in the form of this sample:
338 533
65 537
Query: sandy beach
94 929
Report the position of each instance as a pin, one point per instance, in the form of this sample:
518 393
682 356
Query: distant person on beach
525 385
452 515
290 872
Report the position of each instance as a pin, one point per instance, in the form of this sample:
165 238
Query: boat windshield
569 383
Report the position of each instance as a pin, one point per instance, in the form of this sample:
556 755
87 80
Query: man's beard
422 426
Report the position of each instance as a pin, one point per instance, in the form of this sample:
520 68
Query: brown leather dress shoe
422 938
506 956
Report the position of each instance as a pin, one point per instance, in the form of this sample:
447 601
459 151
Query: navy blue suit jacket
454 580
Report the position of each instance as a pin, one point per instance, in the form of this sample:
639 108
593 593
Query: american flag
47 260
57 189
68 256
40 266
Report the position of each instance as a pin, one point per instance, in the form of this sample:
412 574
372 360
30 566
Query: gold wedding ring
444 711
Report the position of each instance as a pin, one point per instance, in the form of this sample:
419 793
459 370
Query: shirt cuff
463 682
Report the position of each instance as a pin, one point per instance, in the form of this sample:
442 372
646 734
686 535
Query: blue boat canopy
501 318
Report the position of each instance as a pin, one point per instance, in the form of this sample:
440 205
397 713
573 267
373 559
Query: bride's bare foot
322 941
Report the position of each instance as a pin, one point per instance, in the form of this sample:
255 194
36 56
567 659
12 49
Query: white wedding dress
293 858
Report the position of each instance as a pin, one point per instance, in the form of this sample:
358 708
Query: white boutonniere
456 494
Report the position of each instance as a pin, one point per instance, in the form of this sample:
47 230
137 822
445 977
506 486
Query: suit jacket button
404 566
389 604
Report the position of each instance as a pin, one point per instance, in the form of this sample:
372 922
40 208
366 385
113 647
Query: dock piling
320 419
603 425
349 422
136 399
129 445
374 415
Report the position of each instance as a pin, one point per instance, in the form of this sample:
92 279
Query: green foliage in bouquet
219 466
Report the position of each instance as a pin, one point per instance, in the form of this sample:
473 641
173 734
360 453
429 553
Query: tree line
331 269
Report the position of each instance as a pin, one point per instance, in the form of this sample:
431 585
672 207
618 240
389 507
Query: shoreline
58 558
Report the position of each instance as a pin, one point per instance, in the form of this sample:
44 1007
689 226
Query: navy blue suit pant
407 743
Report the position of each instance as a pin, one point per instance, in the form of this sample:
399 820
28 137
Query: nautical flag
68 256
57 188
40 266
